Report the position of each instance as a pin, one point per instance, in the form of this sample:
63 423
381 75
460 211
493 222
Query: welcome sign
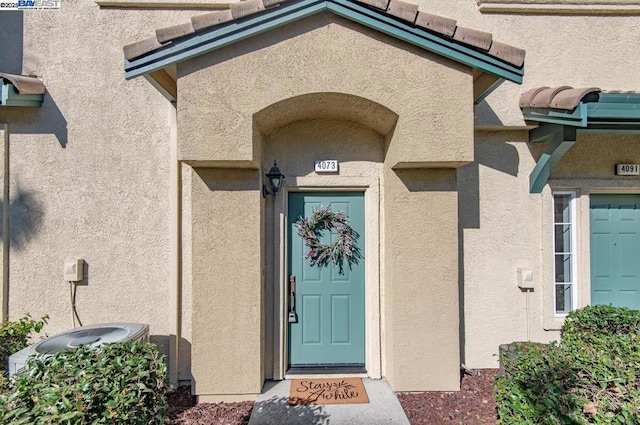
327 391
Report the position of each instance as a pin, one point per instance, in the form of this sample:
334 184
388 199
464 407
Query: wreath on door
344 249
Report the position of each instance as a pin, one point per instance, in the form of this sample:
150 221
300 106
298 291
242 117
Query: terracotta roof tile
403 10
436 23
167 34
246 8
507 53
140 48
406 11
562 97
378 4
544 97
475 38
202 22
24 84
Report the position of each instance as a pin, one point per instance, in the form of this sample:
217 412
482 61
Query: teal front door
615 250
330 329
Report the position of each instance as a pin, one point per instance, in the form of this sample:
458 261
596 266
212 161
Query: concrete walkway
272 408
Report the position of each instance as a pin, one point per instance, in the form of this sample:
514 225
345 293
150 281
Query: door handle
293 316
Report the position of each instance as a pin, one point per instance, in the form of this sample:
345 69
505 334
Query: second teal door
329 305
615 250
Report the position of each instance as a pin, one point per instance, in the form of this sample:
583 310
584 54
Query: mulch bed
472 405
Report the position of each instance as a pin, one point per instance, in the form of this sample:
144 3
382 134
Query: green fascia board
577 117
618 111
219 37
9 96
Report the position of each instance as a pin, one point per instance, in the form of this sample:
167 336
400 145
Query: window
564 251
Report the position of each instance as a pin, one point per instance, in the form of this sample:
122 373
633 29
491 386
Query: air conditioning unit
92 335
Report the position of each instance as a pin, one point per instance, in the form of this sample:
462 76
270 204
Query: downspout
5 227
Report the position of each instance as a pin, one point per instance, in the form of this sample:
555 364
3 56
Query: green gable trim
224 35
9 96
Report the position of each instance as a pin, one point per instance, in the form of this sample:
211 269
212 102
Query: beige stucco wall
278 106
89 171
227 288
500 225
421 276
423 89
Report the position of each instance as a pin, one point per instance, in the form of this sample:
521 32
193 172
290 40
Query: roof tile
140 48
170 33
201 22
398 8
543 98
403 10
246 8
569 99
436 23
24 84
507 53
475 38
378 4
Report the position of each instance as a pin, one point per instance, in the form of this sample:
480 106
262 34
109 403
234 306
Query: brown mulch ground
472 405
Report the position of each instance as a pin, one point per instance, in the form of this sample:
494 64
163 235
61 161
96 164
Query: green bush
14 336
600 321
121 383
591 376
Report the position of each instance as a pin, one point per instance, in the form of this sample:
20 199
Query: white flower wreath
336 253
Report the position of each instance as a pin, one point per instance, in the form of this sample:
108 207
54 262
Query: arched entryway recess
385 90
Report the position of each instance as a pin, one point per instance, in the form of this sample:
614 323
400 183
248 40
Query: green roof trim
612 109
9 96
220 36
606 113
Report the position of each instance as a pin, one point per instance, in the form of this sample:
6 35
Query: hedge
591 376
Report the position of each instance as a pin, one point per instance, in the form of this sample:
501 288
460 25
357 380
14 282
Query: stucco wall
89 171
500 229
420 278
223 122
227 287
219 93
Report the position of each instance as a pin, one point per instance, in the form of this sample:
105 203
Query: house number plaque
326 166
627 169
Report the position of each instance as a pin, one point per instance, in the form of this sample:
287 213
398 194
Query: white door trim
373 314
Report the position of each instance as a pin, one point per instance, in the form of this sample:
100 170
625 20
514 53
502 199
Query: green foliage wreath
344 249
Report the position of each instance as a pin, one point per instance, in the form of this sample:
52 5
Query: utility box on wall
525 279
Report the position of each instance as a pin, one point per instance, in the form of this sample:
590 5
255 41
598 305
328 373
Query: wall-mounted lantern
274 181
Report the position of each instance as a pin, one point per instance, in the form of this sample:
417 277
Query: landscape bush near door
121 383
591 376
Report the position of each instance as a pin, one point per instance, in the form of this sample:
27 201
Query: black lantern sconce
274 181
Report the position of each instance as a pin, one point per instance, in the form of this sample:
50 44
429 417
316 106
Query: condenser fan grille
73 339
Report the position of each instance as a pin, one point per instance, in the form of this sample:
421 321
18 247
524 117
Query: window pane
563 267
563 299
563 238
561 208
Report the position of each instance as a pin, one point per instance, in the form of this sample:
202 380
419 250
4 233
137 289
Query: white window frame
574 251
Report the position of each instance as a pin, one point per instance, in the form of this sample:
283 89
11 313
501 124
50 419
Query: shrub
600 321
121 383
14 336
591 376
